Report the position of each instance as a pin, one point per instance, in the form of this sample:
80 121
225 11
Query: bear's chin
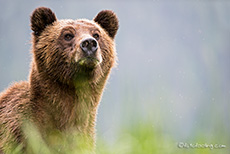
88 70
88 63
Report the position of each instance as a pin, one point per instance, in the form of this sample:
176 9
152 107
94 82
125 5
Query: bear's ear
108 20
40 18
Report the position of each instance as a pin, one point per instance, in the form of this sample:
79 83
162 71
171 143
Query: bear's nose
89 46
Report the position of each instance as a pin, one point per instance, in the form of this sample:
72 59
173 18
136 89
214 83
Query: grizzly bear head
73 51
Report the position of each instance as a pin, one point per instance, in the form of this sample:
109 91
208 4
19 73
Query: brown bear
72 60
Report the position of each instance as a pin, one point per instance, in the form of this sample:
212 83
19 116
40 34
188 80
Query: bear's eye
68 37
96 36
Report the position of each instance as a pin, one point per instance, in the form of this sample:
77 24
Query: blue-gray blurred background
174 59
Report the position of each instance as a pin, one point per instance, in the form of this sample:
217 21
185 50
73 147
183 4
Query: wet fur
60 95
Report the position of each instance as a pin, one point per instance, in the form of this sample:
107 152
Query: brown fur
61 95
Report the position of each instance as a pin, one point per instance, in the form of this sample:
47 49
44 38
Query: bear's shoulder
15 93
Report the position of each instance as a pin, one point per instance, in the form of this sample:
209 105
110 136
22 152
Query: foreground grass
144 139
138 139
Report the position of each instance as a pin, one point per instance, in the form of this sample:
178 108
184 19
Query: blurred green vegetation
139 138
143 138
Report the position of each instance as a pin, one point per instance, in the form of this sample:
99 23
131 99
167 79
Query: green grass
144 139
141 138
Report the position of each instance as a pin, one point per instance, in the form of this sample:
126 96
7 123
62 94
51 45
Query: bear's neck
63 107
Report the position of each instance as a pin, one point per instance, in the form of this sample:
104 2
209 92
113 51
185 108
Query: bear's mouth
88 69
88 62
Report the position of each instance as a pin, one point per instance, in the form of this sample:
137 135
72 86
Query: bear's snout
91 53
89 46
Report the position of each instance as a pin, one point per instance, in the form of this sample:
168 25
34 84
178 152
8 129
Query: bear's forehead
78 24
